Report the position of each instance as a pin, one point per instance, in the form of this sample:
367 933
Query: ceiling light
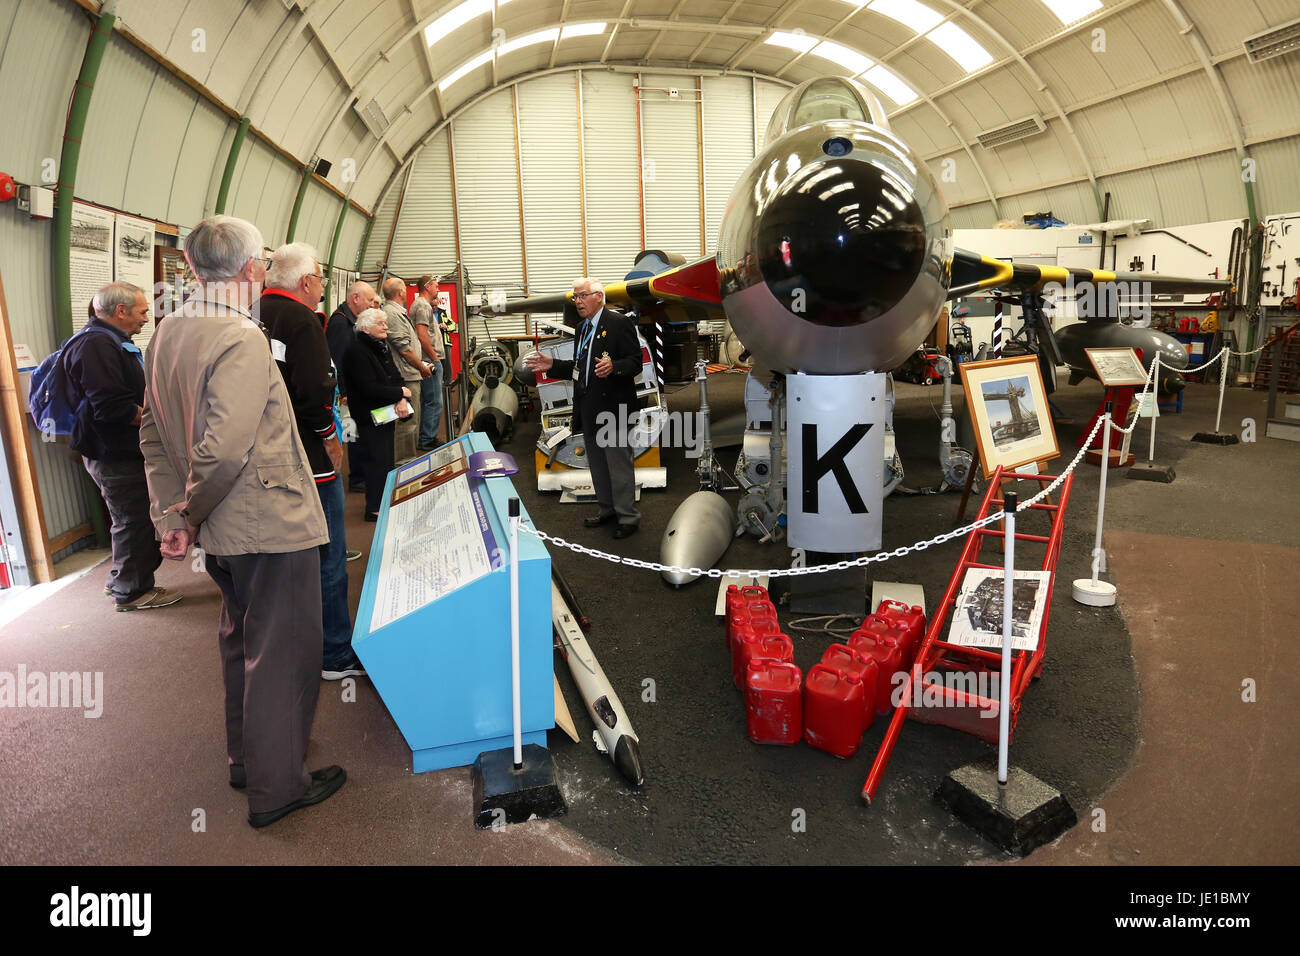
961 46
851 60
909 13
800 42
885 81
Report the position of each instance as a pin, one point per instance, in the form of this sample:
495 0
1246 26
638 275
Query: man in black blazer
606 363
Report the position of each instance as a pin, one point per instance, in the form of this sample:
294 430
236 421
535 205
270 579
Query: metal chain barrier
862 562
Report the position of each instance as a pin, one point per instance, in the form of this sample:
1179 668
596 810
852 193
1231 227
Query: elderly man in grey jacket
227 471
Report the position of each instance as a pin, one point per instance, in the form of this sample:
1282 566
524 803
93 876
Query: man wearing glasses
607 360
294 287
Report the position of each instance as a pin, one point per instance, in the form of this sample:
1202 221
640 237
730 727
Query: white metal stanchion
1008 595
1155 406
514 632
1223 384
1092 591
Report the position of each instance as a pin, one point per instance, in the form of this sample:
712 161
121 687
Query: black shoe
625 531
372 517
599 520
324 784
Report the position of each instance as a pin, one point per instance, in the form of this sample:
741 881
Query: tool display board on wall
1280 262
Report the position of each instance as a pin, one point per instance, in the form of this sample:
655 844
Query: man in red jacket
293 289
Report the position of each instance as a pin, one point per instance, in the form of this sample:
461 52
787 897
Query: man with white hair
606 363
105 374
340 332
228 472
295 283
405 348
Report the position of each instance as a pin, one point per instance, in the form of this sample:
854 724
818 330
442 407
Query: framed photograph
1008 409
1116 367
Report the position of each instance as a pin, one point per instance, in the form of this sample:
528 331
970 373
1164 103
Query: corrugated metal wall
670 164
609 145
548 145
426 237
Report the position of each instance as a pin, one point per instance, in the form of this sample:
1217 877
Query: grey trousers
135 547
406 437
271 645
613 476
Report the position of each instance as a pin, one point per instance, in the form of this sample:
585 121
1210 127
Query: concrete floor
1139 712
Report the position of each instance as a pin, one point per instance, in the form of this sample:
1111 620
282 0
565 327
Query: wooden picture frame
1008 408
1117 367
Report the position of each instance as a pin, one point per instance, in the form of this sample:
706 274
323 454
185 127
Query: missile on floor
614 735
697 535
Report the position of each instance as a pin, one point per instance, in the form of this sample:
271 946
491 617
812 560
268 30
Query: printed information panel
436 541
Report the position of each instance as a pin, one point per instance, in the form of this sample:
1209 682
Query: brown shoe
155 598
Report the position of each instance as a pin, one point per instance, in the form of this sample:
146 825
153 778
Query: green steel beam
297 202
231 159
78 110
68 161
334 247
365 241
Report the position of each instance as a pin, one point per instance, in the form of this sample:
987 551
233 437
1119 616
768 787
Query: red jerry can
746 611
738 596
911 619
773 702
833 705
758 640
846 660
883 643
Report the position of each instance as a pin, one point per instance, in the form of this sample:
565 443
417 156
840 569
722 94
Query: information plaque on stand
433 625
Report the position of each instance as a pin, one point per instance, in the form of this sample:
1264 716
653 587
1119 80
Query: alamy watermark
675 429
979 689
1105 300
82 690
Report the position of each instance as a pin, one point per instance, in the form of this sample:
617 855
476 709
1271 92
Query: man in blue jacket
105 375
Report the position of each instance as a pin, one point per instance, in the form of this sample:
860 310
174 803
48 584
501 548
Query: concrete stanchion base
1094 593
1215 438
1019 816
503 794
1152 473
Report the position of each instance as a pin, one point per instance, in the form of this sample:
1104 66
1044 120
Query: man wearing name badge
105 370
607 360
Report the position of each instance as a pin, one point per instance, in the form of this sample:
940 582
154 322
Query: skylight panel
889 84
483 59
1068 11
455 18
851 60
961 46
799 42
909 13
541 36
582 30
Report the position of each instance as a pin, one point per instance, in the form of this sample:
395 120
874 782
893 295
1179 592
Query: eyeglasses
583 295
266 263
319 276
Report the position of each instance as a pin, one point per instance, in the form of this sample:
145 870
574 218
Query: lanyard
586 351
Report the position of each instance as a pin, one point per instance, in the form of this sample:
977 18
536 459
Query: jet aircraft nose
833 252
841 241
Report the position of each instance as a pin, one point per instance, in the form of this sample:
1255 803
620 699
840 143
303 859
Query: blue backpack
53 409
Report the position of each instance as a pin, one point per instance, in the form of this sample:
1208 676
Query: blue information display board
433 626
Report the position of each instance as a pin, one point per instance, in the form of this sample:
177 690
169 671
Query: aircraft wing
973 273
688 292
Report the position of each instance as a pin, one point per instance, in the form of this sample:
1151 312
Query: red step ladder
959 709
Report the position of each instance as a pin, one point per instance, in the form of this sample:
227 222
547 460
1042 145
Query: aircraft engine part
491 360
831 253
697 535
522 372
1105 334
495 409
758 517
